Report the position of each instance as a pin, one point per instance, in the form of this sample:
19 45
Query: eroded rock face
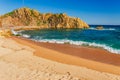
30 17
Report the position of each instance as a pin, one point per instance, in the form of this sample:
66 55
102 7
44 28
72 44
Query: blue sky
91 11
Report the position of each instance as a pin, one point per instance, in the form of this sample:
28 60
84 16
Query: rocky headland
31 17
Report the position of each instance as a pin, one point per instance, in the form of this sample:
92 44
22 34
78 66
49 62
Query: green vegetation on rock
31 17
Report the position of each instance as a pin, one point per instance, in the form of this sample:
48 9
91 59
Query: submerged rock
100 27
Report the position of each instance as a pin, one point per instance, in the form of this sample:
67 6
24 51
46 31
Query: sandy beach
92 58
22 59
95 54
60 40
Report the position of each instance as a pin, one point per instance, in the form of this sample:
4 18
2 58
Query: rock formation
5 33
30 17
100 27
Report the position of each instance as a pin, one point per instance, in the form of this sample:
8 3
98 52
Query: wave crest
110 29
83 43
19 33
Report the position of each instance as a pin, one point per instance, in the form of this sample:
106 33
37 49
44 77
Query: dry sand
52 54
18 62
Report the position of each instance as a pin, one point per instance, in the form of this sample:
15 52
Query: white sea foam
19 32
25 35
110 29
65 41
14 32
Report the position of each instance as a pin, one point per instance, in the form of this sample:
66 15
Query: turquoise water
108 38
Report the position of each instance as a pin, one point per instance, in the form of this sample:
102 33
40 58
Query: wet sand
92 58
94 54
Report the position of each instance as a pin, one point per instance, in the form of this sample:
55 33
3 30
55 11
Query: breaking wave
110 29
20 34
83 43
26 36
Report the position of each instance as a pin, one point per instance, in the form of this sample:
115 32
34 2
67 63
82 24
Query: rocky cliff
30 17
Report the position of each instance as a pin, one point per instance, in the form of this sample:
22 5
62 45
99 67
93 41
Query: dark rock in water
100 27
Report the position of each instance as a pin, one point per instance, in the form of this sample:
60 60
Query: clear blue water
108 38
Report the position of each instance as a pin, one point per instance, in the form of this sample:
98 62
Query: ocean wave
14 32
83 43
19 33
110 29
25 35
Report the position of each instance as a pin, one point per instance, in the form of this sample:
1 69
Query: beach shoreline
57 46
19 62
105 62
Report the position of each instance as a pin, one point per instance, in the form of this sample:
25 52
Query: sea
108 38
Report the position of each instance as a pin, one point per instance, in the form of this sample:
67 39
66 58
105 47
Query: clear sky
91 11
